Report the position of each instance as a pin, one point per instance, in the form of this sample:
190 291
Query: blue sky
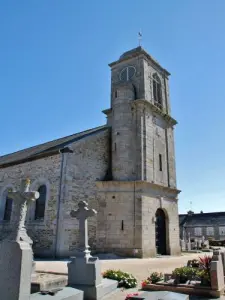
55 79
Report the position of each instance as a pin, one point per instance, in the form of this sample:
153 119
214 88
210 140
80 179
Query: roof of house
46 149
202 219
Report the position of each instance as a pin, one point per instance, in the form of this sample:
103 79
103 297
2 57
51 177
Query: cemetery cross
82 213
21 199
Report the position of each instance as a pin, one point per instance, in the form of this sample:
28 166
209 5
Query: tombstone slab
84 271
163 295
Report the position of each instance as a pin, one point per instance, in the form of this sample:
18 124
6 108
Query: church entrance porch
160 232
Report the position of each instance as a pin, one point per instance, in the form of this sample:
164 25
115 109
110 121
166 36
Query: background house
209 225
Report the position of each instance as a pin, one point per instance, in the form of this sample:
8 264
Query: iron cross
82 214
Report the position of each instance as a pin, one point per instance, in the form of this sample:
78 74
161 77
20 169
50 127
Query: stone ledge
184 289
156 295
128 186
170 121
66 293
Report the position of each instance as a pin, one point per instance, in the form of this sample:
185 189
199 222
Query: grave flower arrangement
204 270
183 274
152 279
124 279
195 270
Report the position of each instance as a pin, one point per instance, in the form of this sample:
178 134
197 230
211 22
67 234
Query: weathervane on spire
139 37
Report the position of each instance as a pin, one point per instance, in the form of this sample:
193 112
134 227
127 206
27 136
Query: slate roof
202 219
46 149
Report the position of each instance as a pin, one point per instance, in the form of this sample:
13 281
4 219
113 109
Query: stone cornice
137 52
107 111
171 121
139 185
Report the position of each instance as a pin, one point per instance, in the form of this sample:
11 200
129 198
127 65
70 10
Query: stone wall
168 204
116 231
82 169
41 171
79 170
127 222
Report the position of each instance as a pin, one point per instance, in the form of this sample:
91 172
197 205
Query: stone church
124 169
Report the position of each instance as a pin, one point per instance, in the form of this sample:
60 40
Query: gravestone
188 246
222 251
16 255
217 273
206 243
183 245
195 245
199 244
84 271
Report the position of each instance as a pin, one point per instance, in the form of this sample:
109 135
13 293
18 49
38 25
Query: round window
127 73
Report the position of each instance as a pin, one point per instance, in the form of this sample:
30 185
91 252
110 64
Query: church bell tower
142 127
139 201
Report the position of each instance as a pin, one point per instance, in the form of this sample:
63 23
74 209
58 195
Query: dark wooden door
160 231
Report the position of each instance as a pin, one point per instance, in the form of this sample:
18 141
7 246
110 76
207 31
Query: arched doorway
160 232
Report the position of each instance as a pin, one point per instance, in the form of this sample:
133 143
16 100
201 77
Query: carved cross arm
22 197
91 212
31 196
74 213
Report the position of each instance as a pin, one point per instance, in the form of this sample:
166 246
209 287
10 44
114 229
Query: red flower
144 283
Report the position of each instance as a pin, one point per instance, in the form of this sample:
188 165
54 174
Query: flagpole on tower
139 38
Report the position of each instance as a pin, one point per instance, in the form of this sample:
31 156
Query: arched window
157 91
8 209
40 203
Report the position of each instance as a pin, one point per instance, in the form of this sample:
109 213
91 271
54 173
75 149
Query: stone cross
82 214
21 199
16 255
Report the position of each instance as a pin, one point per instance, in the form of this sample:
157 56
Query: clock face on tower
127 73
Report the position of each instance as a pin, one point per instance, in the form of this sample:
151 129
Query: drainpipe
134 233
61 151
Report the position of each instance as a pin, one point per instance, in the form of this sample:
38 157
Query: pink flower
131 295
